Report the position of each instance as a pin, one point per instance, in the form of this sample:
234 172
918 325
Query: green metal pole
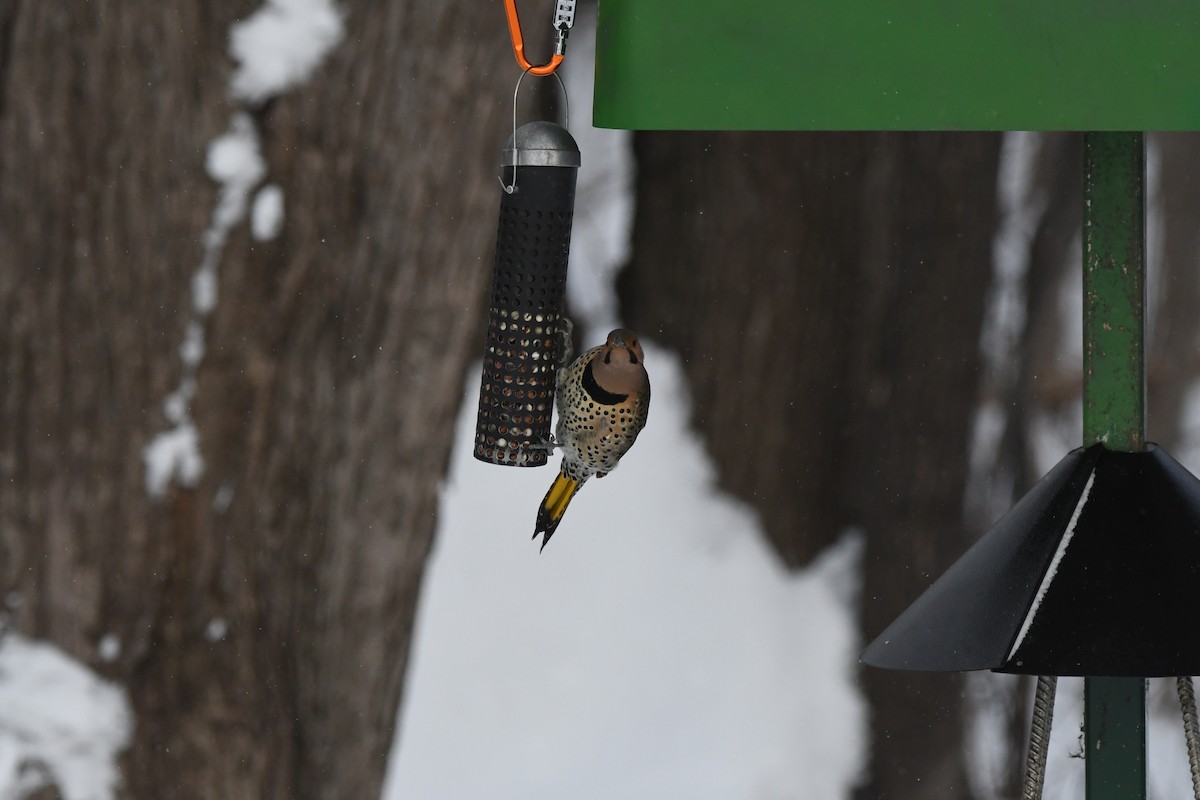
1114 290
1114 409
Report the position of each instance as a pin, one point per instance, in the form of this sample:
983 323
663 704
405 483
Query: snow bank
60 724
655 649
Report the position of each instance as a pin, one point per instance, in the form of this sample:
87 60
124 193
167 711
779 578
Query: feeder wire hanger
564 20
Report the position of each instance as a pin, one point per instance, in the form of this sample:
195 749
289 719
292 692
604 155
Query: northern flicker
602 400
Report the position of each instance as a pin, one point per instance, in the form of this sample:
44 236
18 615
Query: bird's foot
546 444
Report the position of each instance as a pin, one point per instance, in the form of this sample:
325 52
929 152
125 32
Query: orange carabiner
518 44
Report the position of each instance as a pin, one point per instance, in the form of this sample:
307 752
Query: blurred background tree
258 615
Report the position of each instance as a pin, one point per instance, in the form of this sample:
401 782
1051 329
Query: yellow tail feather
554 506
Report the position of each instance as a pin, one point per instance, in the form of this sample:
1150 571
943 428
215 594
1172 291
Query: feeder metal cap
541 144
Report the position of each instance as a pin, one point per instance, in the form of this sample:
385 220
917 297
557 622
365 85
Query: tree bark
264 612
826 293
736 265
1174 331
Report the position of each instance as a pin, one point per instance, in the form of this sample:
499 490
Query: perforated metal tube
529 279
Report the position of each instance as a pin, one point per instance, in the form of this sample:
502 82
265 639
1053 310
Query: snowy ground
655 649
60 723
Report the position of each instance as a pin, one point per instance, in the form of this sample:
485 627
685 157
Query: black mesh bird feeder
539 165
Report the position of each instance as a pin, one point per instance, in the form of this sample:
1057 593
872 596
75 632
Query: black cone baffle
1096 571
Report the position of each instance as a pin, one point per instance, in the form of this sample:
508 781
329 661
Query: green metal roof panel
883 65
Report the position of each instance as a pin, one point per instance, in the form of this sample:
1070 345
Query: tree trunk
826 293
745 260
932 201
263 607
1174 327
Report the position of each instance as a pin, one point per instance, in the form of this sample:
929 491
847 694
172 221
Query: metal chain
1191 728
1039 737
564 20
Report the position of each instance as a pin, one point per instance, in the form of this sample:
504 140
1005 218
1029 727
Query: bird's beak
619 342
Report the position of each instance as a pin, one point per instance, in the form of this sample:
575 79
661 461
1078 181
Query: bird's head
620 367
622 345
